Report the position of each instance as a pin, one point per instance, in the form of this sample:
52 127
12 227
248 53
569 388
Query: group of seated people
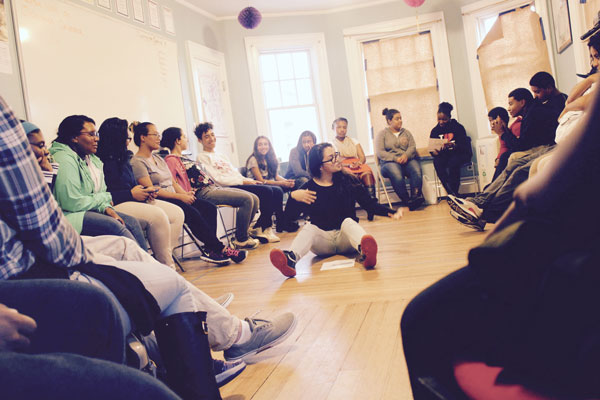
527 145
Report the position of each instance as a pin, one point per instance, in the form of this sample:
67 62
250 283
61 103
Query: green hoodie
74 187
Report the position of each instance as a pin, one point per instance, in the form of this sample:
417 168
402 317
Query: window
288 91
394 82
290 87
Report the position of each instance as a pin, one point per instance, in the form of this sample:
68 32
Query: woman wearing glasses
150 170
79 188
329 198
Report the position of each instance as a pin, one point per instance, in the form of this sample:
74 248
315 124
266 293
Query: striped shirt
32 226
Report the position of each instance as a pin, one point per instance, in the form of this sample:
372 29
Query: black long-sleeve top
453 130
119 179
333 206
540 122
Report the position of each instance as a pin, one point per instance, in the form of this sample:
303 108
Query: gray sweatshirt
388 147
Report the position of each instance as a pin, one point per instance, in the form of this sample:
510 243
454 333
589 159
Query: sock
245 333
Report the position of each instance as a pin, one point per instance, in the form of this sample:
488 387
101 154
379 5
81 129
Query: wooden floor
347 342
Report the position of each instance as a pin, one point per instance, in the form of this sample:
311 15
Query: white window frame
315 44
354 38
471 14
578 28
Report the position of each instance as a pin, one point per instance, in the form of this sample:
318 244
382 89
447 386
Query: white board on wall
78 61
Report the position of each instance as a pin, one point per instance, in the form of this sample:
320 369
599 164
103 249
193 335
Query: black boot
183 342
416 199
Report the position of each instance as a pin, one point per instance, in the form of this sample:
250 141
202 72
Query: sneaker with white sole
472 223
258 233
464 207
236 255
214 257
226 371
271 236
225 300
247 244
264 334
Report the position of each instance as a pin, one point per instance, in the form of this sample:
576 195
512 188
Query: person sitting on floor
352 155
150 170
455 150
298 159
397 152
225 174
329 199
80 189
190 176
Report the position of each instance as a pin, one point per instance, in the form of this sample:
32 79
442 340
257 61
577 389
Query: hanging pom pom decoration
414 3
249 17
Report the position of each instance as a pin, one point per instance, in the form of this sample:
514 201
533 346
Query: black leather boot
183 342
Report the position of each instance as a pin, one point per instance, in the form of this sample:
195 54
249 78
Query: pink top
178 171
515 129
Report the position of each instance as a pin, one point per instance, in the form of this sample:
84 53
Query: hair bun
385 111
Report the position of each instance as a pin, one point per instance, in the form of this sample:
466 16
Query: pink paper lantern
414 3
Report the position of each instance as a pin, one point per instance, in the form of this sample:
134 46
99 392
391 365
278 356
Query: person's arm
15 329
411 151
27 206
361 154
369 203
296 166
380 150
580 104
581 87
224 176
115 185
67 189
252 167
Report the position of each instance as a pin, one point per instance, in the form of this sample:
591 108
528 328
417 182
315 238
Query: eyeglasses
40 145
154 134
92 133
333 158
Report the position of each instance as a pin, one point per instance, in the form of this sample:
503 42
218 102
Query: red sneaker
368 251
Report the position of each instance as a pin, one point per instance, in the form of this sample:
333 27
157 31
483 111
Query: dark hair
202 129
499 112
113 140
543 80
343 182
270 159
170 136
340 119
595 43
139 129
521 94
300 149
446 109
389 113
70 128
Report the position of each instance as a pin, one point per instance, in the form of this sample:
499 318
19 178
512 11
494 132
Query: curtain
400 74
512 51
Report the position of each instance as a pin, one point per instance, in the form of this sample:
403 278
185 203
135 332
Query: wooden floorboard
347 343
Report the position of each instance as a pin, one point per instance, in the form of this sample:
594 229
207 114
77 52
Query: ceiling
225 9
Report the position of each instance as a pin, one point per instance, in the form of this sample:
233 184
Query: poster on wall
5 60
562 24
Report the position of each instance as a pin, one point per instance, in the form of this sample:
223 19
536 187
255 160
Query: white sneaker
248 244
271 236
258 233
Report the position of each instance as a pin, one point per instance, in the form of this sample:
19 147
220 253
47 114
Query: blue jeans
396 172
96 224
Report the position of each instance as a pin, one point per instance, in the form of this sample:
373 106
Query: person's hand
139 193
304 196
289 183
15 329
435 153
496 162
498 126
249 182
398 214
402 159
44 163
187 198
113 214
355 165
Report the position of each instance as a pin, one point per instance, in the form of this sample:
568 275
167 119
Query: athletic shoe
284 261
271 236
215 258
257 233
264 334
287 226
464 207
236 255
226 371
475 224
248 244
225 300
416 202
368 251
